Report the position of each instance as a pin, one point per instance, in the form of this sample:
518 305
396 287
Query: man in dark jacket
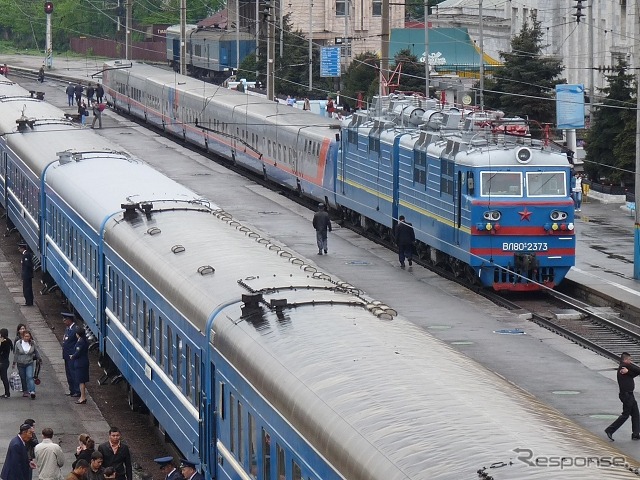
627 371
69 348
405 236
70 93
16 464
321 223
116 454
26 264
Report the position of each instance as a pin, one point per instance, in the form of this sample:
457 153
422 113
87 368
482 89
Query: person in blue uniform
16 464
26 264
68 349
168 468
627 371
189 471
80 360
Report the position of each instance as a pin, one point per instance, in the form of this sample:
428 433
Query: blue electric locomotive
485 198
256 364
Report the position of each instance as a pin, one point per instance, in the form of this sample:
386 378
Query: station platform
577 382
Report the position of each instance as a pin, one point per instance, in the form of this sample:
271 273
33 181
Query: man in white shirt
49 457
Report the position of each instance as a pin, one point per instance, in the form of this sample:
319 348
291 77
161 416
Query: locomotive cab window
544 184
501 184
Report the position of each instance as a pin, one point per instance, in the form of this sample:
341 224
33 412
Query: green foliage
292 69
25 22
611 140
525 84
412 76
361 77
415 8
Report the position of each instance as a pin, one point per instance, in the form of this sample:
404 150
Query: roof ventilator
154 231
206 270
178 249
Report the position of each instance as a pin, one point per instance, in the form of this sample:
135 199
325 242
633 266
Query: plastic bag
15 382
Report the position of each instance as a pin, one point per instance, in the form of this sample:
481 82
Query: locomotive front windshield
546 184
501 184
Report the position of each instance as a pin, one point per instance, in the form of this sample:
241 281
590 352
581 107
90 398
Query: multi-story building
330 21
612 32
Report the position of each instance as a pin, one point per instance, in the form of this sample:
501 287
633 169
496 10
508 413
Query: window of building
377 8
340 7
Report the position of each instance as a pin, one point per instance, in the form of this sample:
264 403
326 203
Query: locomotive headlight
492 215
558 216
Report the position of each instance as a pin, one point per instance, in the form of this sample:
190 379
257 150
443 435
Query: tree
291 71
525 84
361 77
412 76
611 140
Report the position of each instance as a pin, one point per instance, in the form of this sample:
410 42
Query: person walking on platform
78 89
322 223
405 236
189 471
576 191
82 113
97 114
16 464
79 472
70 93
90 93
49 457
627 371
6 347
33 443
117 455
26 264
25 353
68 349
96 471
99 93
168 468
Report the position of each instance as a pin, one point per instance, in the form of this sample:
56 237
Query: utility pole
481 58
636 64
128 30
48 10
257 35
310 45
271 47
237 38
426 48
592 87
183 36
384 48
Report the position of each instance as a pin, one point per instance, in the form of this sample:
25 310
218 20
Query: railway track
599 329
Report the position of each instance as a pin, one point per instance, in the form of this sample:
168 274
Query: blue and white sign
570 106
330 62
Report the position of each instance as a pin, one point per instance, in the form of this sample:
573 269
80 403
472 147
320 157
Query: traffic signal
48 7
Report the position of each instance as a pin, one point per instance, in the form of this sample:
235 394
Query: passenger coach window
502 184
266 454
281 463
541 184
297 472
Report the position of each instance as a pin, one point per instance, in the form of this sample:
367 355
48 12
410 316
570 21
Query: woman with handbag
6 347
24 354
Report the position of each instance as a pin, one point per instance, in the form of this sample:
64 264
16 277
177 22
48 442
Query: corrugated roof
454 45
